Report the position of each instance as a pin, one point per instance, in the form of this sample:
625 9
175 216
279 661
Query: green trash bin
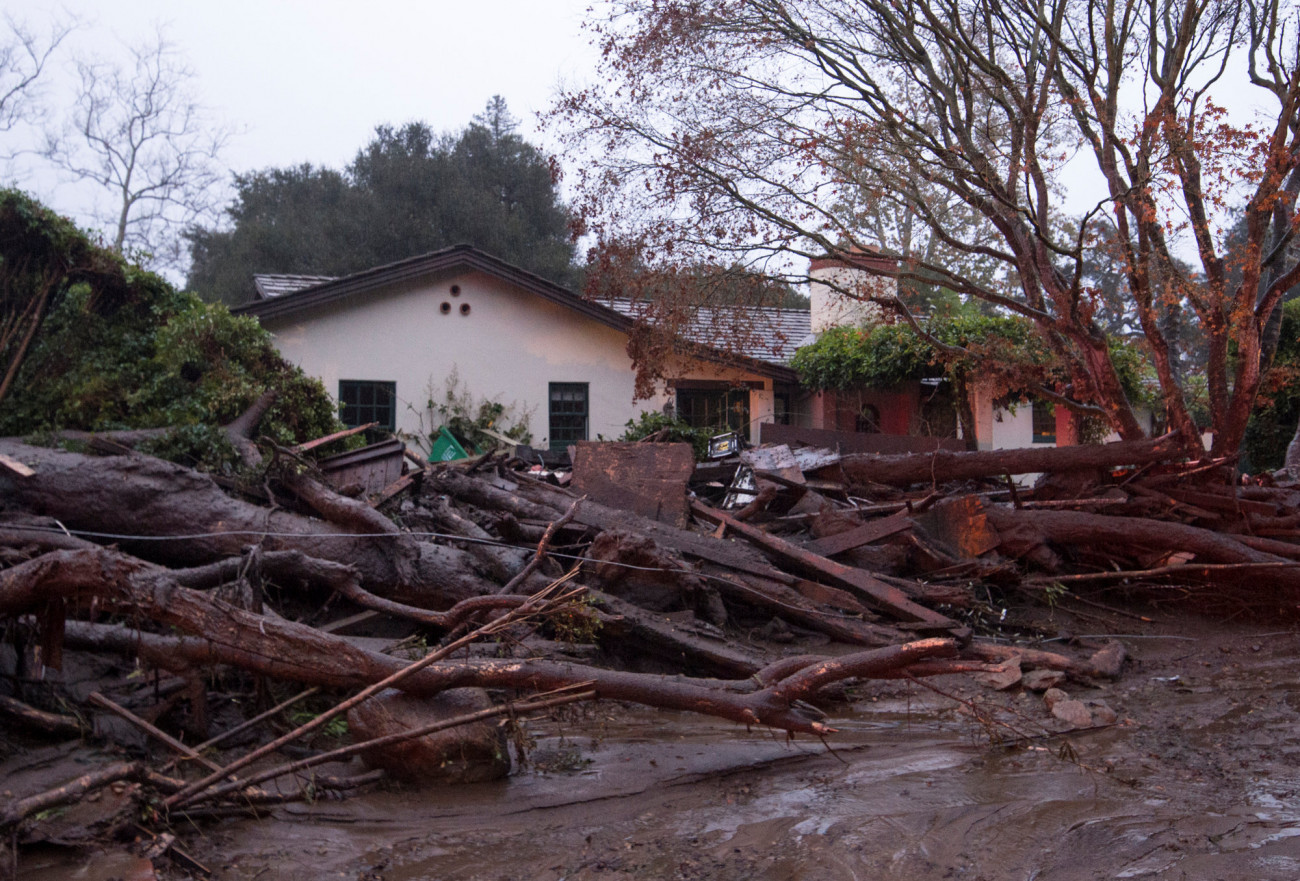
446 448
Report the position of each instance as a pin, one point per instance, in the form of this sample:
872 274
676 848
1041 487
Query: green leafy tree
409 191
302 220
121 349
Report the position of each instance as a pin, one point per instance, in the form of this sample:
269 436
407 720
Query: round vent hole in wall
464 308
455 290
445 308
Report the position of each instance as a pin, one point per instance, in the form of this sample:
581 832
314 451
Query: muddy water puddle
1202 782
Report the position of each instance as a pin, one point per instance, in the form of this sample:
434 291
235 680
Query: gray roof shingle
270 286
766 333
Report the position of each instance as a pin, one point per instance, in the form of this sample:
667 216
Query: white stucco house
385 340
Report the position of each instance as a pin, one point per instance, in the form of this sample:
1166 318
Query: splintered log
861 469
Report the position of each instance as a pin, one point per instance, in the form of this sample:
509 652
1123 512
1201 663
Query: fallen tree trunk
867 588
170 514
283 649
1139 536
862 469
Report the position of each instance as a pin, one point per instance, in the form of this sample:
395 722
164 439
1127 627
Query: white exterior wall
1014 430
831 308
508 349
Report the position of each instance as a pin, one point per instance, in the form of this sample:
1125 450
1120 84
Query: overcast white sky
308 81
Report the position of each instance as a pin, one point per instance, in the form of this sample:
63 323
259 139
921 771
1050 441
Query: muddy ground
1199 780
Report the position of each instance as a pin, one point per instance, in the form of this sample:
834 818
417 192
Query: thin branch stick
543 548
535 604
1180 569
152 730
260 717
562 696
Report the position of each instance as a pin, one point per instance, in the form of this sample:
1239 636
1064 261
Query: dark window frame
569 414
1043 422
360 402
700 405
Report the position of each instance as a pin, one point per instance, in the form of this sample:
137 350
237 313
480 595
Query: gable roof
299 293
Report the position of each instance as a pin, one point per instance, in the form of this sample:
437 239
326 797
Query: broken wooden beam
873 590
330 438
862 535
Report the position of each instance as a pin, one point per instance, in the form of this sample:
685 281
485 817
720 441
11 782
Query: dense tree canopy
409 191
115 347
764 130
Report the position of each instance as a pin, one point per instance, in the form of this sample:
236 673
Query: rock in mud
1102 714
1074 713
465 754
1041 680
1006 676
1108 661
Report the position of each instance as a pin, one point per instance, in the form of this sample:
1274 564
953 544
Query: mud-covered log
22 715
862 469
1140 536
142 496
223 634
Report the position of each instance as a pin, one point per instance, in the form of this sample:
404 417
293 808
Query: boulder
469 753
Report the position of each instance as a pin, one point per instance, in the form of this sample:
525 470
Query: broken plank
396 487
863 535
15 466
874 590
777 461
330 438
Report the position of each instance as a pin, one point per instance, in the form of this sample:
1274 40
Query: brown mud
1199 780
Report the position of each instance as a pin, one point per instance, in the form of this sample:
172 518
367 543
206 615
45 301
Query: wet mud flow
1199 780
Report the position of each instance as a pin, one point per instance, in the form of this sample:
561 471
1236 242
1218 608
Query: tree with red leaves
757 131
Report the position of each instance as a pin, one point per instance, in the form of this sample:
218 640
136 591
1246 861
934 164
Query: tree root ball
469 753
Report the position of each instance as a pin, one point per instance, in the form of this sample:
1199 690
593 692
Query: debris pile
752 588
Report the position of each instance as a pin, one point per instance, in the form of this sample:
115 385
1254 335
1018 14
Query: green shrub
675 430
155 358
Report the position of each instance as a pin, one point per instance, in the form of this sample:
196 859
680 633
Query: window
782 408
867 420
1044 415
717 409
365 401
568 402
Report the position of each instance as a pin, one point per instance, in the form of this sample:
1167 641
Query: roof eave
462 257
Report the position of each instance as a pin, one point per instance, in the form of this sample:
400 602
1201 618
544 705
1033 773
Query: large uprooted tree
772 131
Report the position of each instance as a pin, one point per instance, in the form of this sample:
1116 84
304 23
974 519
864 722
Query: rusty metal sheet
647 479
962 525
